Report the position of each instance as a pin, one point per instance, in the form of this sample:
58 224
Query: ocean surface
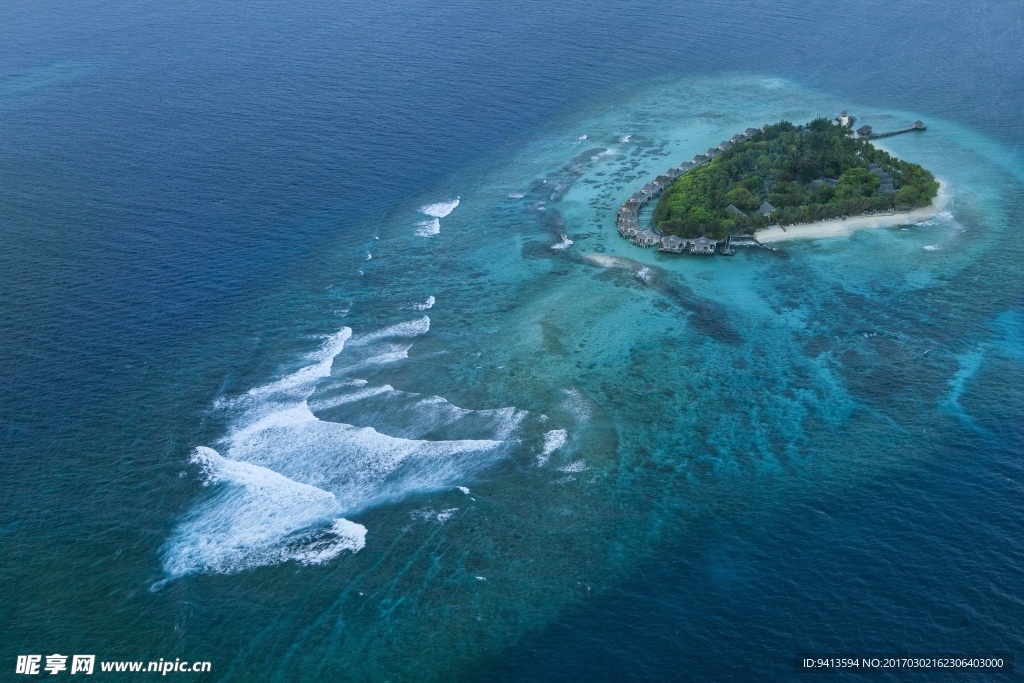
321 359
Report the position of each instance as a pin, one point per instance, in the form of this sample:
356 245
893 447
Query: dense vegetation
807 173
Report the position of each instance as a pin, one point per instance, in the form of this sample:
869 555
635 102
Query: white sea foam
625 138
931 247
358 465
415 416
436 212
577 405
644 274
369 256
444 515
516 195
258 517
440 209
426 305
285 480
428 228
321 367
581 138
563 244
409 328
389 353
553 440
944 218
574 467
335 401
431 515
463 489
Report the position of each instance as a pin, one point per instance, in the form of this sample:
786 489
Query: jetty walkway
868 134
648 235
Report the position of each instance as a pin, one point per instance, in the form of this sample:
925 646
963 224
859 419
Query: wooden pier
871 135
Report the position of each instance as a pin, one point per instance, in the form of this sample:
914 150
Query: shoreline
843 227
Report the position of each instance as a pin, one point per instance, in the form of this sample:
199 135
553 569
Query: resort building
886 185
765 210
647 238
864 131
703 245
673 244
631 228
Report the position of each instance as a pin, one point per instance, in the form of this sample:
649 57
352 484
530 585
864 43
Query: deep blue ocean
299 376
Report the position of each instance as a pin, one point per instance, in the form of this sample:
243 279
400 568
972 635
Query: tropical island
787 174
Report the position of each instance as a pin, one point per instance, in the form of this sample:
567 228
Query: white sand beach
841 227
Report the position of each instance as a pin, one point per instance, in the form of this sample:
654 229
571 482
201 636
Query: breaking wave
257 517
284 480
436 212
553 440
440 209
565 243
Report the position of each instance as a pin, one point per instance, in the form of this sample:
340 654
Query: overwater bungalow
672 244
703 245
699 159
751 132
647 238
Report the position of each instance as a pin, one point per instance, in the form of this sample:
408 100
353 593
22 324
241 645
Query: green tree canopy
807 173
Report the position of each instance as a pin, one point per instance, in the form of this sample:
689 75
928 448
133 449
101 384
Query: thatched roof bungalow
647 238
672 244
703 245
